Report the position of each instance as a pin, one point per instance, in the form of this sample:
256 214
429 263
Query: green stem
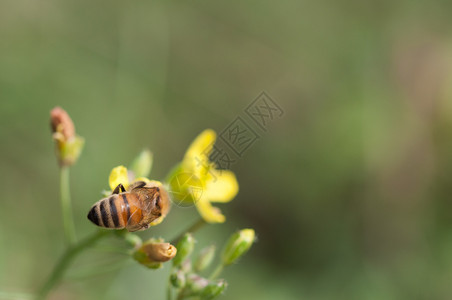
68 222
217 271
181 295
169 294
65 261
194 227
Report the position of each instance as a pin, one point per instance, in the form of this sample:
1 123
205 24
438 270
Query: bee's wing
136 227
142 207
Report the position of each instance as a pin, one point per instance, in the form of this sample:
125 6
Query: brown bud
154 252
62 123
159 252
68 144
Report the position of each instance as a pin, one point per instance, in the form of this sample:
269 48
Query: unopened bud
142 164
68 144
160 252
184 248
177 278
213 289
205 258
133 239
239 243
196 284
153 253
185 266
62 123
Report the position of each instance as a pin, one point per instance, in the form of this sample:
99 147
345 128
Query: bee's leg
118 189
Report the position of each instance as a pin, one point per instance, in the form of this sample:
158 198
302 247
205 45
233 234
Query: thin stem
181 295
169 291
217 271
68 222
65 261
194 227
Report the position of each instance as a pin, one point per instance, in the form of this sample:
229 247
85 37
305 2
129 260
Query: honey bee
133 209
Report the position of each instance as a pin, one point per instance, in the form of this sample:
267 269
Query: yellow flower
120 175
196 180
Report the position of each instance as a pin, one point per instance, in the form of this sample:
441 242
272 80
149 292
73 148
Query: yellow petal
199 150
222 186
118 175
209 213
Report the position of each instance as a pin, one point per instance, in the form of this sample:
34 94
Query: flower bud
239 243
68 144
205 258
133 239
184 248
177 278
153 253
142 164
62 123
196 284
185 266
213 289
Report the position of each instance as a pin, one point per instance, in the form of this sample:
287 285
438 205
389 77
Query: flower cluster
194 181
186 276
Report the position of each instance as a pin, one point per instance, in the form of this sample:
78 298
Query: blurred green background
349 191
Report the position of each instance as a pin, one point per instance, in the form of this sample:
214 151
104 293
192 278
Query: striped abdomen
117 211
